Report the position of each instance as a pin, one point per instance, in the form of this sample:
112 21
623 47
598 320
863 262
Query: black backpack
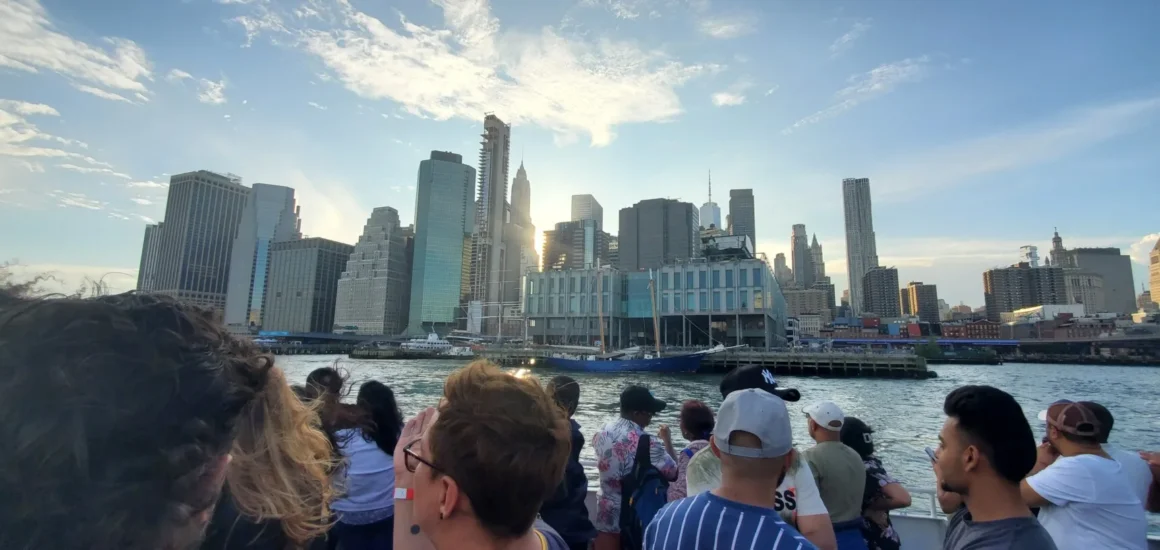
643 493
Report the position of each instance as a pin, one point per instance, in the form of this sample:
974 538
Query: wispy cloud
568 84
316 106
866 86
78 200
25 108
141 201
1026 145
847 40
212 92
727 27
102 93
147 184
32 43
734 95
770 91
91 170
178 75
21 138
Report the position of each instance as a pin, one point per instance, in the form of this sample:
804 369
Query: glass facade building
270 216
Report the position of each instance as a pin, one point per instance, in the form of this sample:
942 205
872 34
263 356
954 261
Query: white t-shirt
1093 505
1139 475
796 496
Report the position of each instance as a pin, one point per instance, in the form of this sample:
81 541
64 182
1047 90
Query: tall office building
782 271
147 272
613 251
710 213
373 290
904 304
444 219
1007 289
655 232
1085 287
575 245
487 258
880 292
270 216
803 260
819 261
1109 263
922 301
519 236
741 215
1154 272
302 284
585 207
195 243
861 250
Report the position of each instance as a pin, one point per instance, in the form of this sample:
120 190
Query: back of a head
116 412
993 421
505 443
326 380
753 435
857 435
697 419
1103 416
566 392
379 403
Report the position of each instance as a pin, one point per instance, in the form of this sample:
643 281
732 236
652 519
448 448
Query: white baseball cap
827 415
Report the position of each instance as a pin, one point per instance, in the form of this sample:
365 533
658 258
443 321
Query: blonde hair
281 463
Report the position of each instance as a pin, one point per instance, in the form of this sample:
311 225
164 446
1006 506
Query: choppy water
906 414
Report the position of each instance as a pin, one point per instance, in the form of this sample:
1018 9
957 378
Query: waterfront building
575 245
923 302
1007 289
904 305
804 273
807 301
654 232
880 292
818 260
1154 272
944 310
613 251
741 214
488 247
585 207
302 286
150 248
444 219
782 271
1085 287
374 289
810 325
195 243
861 247
710 213
270 216
1107 262
519 243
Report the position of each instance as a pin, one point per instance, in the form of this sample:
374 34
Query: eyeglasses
411 459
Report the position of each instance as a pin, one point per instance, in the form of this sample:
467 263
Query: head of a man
639 405
1072 428
1103 416
496 451
984 440
566 392
753 438
759 377
824 421
119 414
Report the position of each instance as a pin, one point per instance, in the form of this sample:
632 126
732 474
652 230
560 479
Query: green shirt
841 478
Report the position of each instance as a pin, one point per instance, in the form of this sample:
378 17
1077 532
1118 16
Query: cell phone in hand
930 453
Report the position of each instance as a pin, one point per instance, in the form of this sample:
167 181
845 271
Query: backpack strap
643 453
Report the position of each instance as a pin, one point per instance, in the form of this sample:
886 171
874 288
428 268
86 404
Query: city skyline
242 103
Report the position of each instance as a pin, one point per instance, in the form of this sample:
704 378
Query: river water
905 414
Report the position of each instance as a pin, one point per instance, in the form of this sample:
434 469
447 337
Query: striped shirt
709 522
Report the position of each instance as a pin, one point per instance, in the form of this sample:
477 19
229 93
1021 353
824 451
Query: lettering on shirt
786 503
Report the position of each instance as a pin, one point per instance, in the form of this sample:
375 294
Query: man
615 446
119 414
1086 499
1139 476
985 449
796 499
754 442
566 511
839 473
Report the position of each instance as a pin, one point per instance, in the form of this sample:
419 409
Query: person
278 489
1135 467
1085 497
119 416
696 423
378 401
566 510
796 499
839 473
1152 504
754 441
882 493
472 474
985 449
615 445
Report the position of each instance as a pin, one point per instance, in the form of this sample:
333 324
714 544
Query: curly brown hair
504 441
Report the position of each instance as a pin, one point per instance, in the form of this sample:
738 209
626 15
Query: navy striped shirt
709 522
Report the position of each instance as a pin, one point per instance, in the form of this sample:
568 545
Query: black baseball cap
755 377
1103 416
639 398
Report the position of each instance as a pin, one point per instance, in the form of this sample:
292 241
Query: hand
665 434
413 430
1153 460
1045 455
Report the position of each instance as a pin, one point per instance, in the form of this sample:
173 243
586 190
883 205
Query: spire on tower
710 185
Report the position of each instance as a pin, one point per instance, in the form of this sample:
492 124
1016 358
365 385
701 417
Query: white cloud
1027 145
19 137
212 92
727 27
567 84
866 86
727 99
178 75
847 40
77 200
145 219
101 93
90 170
34 167
770 91
147 184
141 201
316 106
31 43
25 108
1140 250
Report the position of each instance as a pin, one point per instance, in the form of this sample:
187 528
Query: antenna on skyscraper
710 185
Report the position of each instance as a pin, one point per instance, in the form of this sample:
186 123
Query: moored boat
676 363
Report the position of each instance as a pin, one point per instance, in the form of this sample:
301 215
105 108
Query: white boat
432 344
459 351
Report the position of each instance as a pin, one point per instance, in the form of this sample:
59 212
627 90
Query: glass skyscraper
270 216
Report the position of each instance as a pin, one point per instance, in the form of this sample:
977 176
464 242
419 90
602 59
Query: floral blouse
615 446
680 488
878 532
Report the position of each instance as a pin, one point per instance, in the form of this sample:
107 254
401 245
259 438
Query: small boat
592 363
432 344
458 351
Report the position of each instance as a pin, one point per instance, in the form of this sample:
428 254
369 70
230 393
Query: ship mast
600 306
652 294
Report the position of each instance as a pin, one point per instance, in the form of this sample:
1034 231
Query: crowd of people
135 422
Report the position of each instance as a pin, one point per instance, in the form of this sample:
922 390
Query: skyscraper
1154 272
147 272
1109 263
373 290
1085 287
575 245
861 250
880 292
923 301
585 207
741 214
519 236
444 219
195 243
1007 289
710 214
781 270
819 261
654 232
803 260
489 253
270 216
302 285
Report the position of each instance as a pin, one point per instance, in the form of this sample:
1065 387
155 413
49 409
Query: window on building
607 306
583 280
744 298
676 281
701 279
716 300
716 279
573 304
604 284
743 274
689 280
561 305
552 285
583 302
704 300
665 281
540 304
665 303
551 306
757 276
728 278
729 300
691 301
592 302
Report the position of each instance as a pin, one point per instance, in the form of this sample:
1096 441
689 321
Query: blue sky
982 125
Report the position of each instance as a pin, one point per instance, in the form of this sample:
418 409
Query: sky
982 125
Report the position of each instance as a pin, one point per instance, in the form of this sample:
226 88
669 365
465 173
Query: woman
882 493
277 484
696 422
479 468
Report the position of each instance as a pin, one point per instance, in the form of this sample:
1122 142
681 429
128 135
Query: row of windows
720 278
676 302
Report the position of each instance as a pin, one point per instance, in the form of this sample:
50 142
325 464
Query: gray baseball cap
757 412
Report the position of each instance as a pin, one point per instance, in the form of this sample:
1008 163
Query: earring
441 516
